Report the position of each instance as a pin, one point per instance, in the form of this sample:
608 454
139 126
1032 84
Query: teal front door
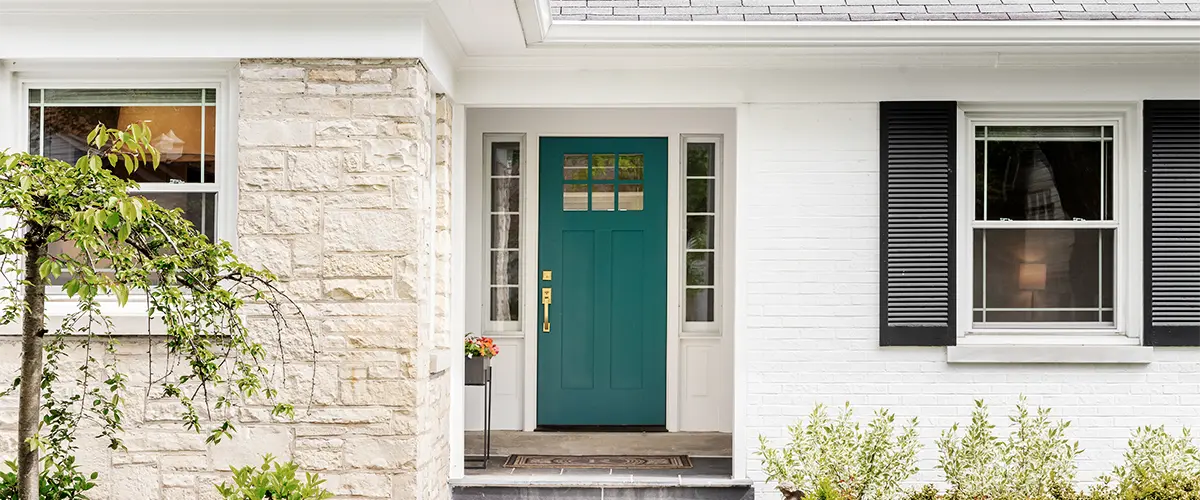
602 229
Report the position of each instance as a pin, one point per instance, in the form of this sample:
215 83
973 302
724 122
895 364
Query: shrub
1035 462
57 481
1157 466
273 481
836 459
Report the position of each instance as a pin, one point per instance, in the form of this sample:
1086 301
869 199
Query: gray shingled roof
871 10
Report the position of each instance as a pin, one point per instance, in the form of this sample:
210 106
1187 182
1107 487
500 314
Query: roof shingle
871 10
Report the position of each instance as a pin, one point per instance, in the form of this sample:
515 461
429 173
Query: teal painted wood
604 361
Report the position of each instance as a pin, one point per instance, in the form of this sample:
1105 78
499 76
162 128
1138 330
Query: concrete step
604 492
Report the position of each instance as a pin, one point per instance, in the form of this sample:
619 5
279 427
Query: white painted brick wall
810 258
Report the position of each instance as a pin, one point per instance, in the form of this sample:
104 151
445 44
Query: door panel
602 235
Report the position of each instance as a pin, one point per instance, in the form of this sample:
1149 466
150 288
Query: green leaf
129 165
122 297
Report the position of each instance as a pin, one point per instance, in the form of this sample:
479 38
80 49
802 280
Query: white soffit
541 31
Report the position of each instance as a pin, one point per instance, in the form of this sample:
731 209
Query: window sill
130 320
1049 354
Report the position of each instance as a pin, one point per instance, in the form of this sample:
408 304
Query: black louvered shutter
917 159
1172 225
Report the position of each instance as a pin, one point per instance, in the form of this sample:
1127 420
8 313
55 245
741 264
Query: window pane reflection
603 198
699 304
505 303
632 167
575 197
1044 275
630 196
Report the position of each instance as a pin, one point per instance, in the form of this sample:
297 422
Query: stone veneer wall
338 195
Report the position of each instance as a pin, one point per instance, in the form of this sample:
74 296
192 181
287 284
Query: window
613 181
1044 229
700 226
185 129
504 259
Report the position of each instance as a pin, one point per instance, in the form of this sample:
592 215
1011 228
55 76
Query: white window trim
132 317
503 328
1127 209
705 328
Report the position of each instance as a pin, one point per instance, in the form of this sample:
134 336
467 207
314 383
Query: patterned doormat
598 462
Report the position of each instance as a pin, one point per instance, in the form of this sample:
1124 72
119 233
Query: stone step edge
494 482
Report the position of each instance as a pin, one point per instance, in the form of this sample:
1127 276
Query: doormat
598 462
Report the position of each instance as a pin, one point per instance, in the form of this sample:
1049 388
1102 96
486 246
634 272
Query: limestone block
310 105
363 88
376 75
360 484
271 73
134 481
271 87
163 440
248 446
266 252
370 231
332 75
342 415
285 214
380 452
275 133
257 159
321 89
261 107
262 180
359 289
392 155
356 266
315 170
397 393
393 106
319 454
373 197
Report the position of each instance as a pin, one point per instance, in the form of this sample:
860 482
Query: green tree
121 245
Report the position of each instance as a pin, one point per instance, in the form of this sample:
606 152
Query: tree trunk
33 329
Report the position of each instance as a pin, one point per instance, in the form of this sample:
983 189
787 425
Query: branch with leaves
120 245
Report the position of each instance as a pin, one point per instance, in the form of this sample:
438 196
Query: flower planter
476 370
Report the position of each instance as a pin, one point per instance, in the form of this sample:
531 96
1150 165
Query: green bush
58 481
273 481
1035 462
1157 466
835 459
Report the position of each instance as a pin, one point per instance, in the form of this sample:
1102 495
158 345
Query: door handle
546 310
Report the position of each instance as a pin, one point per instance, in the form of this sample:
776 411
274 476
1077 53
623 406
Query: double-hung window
184 126
1043 231
1040 225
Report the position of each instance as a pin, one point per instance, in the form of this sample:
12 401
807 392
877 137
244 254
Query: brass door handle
546 310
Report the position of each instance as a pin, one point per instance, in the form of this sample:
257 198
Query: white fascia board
8 104
221 6
442 52
210 34
536 19
868 34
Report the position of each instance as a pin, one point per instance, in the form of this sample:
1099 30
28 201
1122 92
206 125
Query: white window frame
1126 206
221 76
493 328
704 327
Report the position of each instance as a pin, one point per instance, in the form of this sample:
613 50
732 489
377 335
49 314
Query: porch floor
704 472
694 444
710 454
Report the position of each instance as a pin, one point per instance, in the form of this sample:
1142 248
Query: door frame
530 215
